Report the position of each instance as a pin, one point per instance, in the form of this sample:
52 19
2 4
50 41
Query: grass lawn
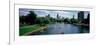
26 29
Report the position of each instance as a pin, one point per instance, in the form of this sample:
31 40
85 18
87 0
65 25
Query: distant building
73 17
88 18
81 16
58 17
48 16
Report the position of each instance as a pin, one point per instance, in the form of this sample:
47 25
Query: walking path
37 30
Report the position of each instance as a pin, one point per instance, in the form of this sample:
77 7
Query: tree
66 20
22 20
31 17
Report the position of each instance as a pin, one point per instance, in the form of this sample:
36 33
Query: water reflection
83 29
62 28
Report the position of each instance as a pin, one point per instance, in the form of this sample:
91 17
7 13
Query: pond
63 28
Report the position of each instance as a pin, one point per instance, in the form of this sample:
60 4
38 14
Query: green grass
26 29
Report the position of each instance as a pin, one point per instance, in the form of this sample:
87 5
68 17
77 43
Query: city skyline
53 13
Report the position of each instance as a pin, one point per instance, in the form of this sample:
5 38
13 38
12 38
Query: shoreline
82 24
37 30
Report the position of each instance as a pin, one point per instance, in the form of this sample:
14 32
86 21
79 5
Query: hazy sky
53 13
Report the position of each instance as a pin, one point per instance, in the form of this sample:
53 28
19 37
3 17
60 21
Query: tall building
48 16
81 16
73 17
58 17
88 18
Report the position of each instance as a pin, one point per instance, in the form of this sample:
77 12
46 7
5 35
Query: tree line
32 18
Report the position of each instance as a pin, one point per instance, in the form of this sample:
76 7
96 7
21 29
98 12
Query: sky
53 13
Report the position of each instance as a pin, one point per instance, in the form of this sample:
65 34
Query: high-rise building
88 18
73 17
57 16
81 16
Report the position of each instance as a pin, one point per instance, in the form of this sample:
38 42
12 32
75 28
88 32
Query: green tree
66 20
31 17
22 20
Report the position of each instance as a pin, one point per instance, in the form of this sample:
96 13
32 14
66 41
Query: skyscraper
80 16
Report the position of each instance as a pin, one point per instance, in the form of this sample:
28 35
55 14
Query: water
62 28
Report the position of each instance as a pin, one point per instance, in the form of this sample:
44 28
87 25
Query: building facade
81 16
